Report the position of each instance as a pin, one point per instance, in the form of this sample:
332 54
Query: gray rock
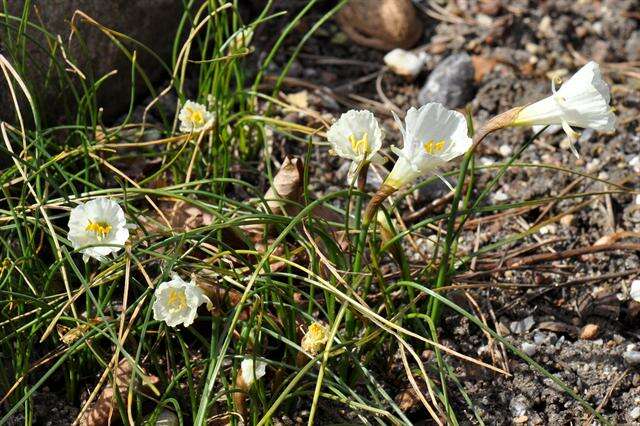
632 46
632 357
529 348
434 190
519 405
541 338
167 418
151 22
450 83
519 327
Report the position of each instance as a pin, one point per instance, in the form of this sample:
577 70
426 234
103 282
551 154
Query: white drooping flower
251 371
194 117
583 101
356 136
432 135
405 63
177 301
99 223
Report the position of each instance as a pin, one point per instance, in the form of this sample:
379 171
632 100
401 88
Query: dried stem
498 122
383 193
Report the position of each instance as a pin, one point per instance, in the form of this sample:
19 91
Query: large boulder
151 22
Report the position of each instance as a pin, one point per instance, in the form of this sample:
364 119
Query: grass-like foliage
271 266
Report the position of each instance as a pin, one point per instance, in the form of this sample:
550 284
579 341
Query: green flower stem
443 272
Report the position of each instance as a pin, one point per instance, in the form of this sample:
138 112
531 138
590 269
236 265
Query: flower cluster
98 228
433 135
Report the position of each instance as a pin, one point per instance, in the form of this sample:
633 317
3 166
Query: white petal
355 123
583 101
101 210
194 297
431 124
187 124
252 371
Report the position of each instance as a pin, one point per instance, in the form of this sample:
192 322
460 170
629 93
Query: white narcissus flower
194 117
251 371
96 222
356 136
177 301
432 135
315 338
583 101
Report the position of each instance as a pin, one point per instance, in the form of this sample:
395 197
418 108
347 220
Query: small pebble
549 229
505 150
519 405
567 220
167 418
634 292
487 161
519 327
589 331
500 196
635 163
635 413
545 26
632 357
451 83
529 348
593 165
539 338
484 20
405 63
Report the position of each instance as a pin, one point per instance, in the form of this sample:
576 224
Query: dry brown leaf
105 410
69 335
287 186
408 400
299 99
222 298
